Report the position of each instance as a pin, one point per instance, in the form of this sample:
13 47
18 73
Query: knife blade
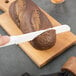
30 36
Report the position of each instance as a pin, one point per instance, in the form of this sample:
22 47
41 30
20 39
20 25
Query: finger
4 40
0 35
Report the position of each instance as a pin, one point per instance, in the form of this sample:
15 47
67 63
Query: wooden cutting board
63 41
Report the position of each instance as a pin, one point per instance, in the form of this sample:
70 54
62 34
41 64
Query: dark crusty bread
28 17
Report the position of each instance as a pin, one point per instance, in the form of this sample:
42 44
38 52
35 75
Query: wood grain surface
63 40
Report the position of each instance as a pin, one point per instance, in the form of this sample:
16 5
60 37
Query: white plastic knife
30 36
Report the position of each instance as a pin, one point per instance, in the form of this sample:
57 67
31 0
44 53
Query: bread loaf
29 18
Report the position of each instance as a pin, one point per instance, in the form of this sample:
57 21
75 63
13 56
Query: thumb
4 40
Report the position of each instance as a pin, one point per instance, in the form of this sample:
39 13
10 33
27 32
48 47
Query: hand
4 40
